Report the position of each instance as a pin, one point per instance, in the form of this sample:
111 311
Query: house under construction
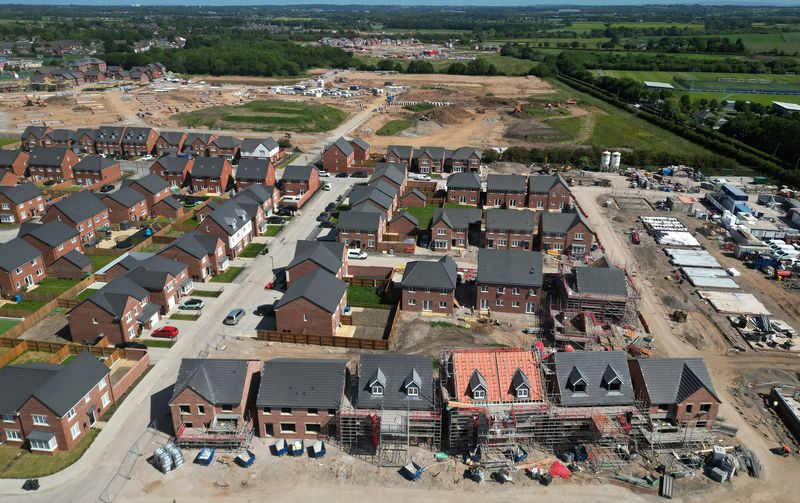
607 292
395 406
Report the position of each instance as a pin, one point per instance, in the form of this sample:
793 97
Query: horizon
409 3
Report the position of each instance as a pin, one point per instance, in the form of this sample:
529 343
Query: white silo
605 160
616 157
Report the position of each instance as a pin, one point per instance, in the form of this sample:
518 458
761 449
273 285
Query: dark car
327 224
341 175
130 344
106 188
274 219
330 207
360 174
285 212
48 183
265 310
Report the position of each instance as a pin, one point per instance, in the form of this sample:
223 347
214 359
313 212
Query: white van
356 253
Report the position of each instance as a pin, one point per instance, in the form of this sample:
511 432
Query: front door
29 280
530 308
484 304
90 415
427 305
462 199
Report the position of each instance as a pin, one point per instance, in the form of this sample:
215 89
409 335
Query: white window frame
522 392
75 431
478 394
13 436
105 400
377 390
50 446
70 414
412 391
38 421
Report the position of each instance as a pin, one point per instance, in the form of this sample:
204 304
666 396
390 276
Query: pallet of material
676 238
691 258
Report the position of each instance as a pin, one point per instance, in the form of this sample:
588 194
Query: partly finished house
455 228
210 402
313 304
20 203
299 398
310 256
464 188
21 267
396 405
548 192
510 229
49 408
203 254
603 291
429 287
509 281
566 233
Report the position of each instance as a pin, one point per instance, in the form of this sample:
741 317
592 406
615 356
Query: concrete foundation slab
676 238
733 302
709 278
691 258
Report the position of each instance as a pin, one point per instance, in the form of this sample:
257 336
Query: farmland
266 115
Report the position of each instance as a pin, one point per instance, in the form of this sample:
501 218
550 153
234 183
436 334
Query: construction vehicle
635 238
679 316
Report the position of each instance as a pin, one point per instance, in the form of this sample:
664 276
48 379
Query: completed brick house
224 146
166 280
404 224
212 396
138 141
361 149
568 233
85 140
20 203
54 239
254 171
264 149
678 391
429 159
429 287
96 170
118 311
400 154
299 398
51 163
58 138
214 174
267 197
338 157
153 188
464 188
313 304
548 192
49 408
393 174
173 169
21 266
108 140
455 228
15 161
83 211
510 229
361 196
169 142
300 181
508 281
197 143
465 159
361 228
413 199
125 205
310 256
204 255
506 191
232 224
32 136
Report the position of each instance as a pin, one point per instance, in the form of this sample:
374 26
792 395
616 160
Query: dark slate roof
125 196
394 172
509 267
361 193
343 145
298 173
326 254
208 167
136 135
192 137
360 143
47 156
109 134
227 142
402 151
505 183
673 380
152 183
219 381
318 287
385 187
465 181
15 253
252 169
8 157
356 220
172 137
94 164
562 222
457 218
601 281
258 192
427 274
77 259
396 370
173 164
171 201
21 193
156 263
303 383
91 133
500 219
58 387
408 216
37 131
62 135
463 153
416 194
542 184
113 297
250 144
435 153
196 244
52 233
230 216
596 368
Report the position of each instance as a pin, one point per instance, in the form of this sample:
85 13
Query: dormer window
478 394
477 386
412 391
377 390
611 379
520 386
522 393
412 383
377 383
576 382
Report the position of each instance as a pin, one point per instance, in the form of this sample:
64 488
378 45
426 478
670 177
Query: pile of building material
709 277
691 258
676 238
733 302
666 224
168 458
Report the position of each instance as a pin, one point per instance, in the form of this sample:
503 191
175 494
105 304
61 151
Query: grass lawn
252 250
25 305
68 359
184 317
424 215
8 141
365 296
273 230
86 293
266 115
228 276
190 224
393 127
54 286
30 465
32 357
6 325
153 343
207 293
100 261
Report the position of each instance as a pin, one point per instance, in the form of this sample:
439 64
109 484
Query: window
441 232
266 411
515 304
412 289
578 237
442 304
501 289
705 407
412 302
86 398
286 411
184 409
413 391
702 424
515 243
288 428
579 387
443 291
94 321
478 394
101 384
13 435
75 430
484 289
331 412
201 410
522 392
41 445
305 317
499 302
39 420
313 412
8 418
227 408
515 291
128 316
71 413
377 390
540 204
664 407
689 408
313 429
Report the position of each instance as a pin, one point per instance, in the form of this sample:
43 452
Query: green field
585 26
393 127
53 287
366 296
788 42
266 115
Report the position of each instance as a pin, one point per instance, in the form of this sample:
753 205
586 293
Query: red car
168 332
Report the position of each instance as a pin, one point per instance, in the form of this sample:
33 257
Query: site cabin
32 136
173 169
429 159
204 255
299 398
509 281
567 233
310 256
361 229
138 141
169 142
254 171
455 228
21 267
83 211
464 189
20 203
224 146
548 192
125 205
54 239
213 174
506 191
96 171
313 304
300 181
510 229
429 287
51 163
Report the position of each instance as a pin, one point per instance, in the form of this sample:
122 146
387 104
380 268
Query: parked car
356 253
106 188
342 175
360 174
324 174
192 304
327 186
330 207
275 219
265 310
167 332
234 316
327 224
322 217
130 344
147 157
285 212
48 183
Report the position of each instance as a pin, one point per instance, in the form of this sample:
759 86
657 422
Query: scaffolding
225 432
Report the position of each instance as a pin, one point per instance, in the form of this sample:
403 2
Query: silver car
234 316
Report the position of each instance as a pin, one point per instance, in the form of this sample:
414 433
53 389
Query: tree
457 68
385 65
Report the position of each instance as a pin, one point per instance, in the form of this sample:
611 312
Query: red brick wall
435 296
52 254
506 200
210 227
317 321
150 198
360 154
557 199
66 269
108 175
299 418
548 242
9 280
64 173
349 238
303 268
89 225
120 387
449 235
161 146
492 239
334 161
139 149
411 201
470 197
401 226
196 267
426 164
119 213
162 209
508 298
20 164
31 208
82 324
8 179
